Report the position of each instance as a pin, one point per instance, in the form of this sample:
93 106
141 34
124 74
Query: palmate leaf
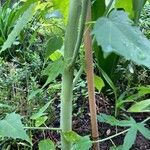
113 121
129 138
12 127
145 131
116 34
20 24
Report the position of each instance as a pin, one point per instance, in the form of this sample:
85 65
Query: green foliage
40 113
63 6
132 131
83 144
21 23
139 105
40 121
126 5
12 127
98 82
53 70
128 42
54 43
79 142
98 9
46 145
129 138
142 106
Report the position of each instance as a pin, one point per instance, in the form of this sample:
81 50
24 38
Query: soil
81 124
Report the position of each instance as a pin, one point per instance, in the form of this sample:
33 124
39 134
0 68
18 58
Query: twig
77 76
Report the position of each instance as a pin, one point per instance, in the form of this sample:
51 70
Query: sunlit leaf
141 106
71 136
54 43
126 5
56 55
98 82
21 23
41 120
63 6
46 144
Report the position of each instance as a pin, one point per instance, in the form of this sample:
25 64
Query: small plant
114 31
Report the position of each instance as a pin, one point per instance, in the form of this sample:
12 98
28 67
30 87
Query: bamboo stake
90 81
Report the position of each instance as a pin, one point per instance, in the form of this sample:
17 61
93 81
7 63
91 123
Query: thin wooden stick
90 80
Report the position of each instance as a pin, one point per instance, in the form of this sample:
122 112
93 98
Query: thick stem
90 81
67 76
81 31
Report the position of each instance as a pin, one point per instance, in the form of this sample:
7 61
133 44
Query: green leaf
46 145
12 127
113 121
141 106
21 23
108 80
98 9
126 5
54 43
34 93
63 6
40 112
53 70
129 41
41 120
83 144
71 136
56 55
142 90
129 138
98 82
146 132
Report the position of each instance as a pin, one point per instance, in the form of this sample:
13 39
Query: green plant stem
78 76
110 137
42 128
117 134
108 7
81 31
67 75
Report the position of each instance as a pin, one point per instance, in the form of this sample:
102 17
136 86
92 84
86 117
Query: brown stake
90 80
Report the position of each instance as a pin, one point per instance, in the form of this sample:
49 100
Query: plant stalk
81 31
67 75
90 80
